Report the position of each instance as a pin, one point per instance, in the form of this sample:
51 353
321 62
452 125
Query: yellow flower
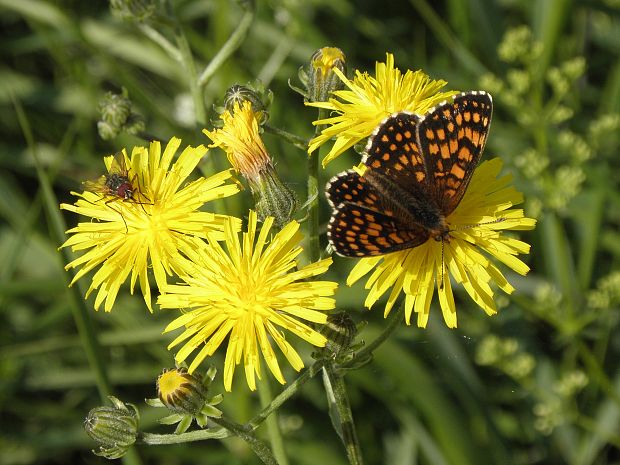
474 236
368 100
152 227
241 141
249 294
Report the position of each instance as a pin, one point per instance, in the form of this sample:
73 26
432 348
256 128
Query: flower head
149 228
476 227
241 141
186 396
249 293
368 100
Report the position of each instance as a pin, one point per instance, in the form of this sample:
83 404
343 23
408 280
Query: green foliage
538 384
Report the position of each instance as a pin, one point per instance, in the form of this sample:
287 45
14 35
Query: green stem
160 40
192 436
394 320
187 60
312 203
294 139
245 433
273 428
290 390
232 44
81 313
345 416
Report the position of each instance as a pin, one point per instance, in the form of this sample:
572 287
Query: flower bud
340 331
181 392
319 77
117 116
272 197
255 94
186 395
115 428
133 10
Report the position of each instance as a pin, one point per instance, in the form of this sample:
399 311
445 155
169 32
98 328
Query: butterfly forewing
452 137
393 150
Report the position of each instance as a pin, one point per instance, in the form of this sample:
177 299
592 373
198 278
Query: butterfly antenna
469 226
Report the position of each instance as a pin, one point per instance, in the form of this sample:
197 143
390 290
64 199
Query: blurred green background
537 384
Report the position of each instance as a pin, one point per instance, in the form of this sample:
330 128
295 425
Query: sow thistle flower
249 293
240 139
475 234
368 100
153 228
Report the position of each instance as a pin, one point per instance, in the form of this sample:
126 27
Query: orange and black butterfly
417 171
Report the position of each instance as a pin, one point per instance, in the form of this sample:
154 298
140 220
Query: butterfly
417 169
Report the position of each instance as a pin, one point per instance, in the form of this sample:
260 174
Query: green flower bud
256 95
272 197
117 116
133 10
319 78
115 428
340 331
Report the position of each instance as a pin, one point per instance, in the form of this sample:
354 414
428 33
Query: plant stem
259 447
187 60
286 394
297 141
232 44
273 427
192 436
160 40
345 416
314 248
394 320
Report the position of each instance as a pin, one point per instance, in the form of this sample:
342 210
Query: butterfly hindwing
357 231
375 227
452 137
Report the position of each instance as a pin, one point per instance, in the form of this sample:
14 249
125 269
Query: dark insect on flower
116 183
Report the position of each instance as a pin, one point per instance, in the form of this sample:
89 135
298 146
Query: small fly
115 183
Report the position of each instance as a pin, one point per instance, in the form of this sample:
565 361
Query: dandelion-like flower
368 100
151 225
240 139
249 294
476 232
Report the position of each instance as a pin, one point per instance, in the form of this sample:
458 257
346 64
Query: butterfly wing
452 137
363 222
393 151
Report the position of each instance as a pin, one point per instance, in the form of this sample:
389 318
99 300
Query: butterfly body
417 169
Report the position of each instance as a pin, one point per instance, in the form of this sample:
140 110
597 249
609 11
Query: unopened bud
181 392
319 77
115 428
